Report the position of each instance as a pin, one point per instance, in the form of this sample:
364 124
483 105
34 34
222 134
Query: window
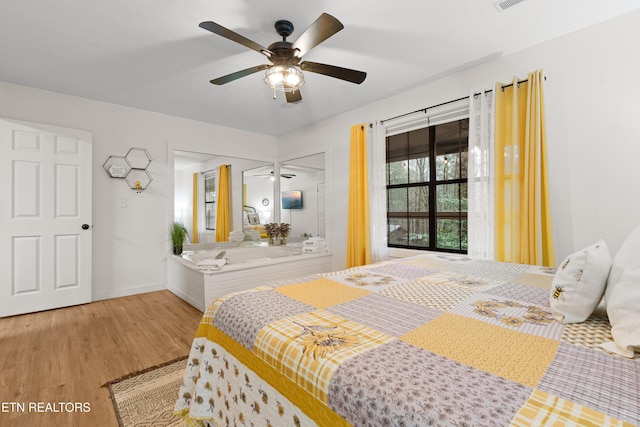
427 187
210 202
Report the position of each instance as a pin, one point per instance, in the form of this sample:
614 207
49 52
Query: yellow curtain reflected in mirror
358 237
223 219
194 224
523 216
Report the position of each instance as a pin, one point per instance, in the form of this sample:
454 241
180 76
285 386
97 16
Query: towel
315 242
313 249
252 235
211 264
320 248
236 236
312 240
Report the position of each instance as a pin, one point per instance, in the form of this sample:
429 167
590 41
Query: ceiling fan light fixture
284 78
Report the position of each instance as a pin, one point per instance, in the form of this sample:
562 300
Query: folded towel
313 249
252 235
315 241
211 264
315 245
322 248
236 236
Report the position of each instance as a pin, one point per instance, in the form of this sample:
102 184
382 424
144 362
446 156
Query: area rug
147 398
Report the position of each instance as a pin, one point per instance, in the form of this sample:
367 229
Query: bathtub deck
199 288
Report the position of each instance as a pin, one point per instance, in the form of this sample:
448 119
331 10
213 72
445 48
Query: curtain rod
214 169
424 110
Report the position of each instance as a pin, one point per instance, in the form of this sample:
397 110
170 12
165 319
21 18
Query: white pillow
579 283
623 297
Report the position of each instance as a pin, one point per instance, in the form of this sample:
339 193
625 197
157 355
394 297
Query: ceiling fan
283 74
270 175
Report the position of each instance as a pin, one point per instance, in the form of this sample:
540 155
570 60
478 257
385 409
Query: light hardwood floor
66 355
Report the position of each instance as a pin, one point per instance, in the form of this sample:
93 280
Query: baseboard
117 293
188 299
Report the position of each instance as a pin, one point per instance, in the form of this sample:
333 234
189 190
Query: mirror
302 195
205 166
258 200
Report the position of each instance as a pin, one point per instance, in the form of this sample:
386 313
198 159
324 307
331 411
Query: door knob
85 226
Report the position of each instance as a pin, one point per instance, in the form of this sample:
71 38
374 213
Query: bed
435 339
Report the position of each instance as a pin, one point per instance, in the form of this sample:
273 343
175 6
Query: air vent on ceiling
506 4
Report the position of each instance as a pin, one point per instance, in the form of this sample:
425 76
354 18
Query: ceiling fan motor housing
283 53
284 28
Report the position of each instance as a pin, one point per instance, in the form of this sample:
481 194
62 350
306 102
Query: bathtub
250 264
239 257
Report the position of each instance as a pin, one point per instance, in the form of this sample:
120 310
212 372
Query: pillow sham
579 283
622 298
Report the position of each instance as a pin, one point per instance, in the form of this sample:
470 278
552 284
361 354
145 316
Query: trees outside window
427 188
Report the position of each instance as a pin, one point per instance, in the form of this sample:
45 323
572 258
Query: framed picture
253 218
292 199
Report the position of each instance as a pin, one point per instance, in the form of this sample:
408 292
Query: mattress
435 339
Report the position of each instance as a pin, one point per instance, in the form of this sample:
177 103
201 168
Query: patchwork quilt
431 340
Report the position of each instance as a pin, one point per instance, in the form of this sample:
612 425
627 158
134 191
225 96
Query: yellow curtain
223 219
194 225
358 237
523 216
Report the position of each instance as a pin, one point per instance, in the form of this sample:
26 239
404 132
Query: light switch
123 202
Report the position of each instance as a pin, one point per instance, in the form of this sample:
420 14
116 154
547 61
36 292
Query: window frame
432 213
210 204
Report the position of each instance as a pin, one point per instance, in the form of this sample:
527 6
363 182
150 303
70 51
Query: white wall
592 100
130 244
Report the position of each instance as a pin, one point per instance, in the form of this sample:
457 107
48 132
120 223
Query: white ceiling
152 55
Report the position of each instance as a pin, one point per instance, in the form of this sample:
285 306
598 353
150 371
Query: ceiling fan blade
238 74
347 74
233 36
321 29
270 175
295 96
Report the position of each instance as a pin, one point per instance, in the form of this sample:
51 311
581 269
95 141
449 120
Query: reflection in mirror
196 192
302 185
258 198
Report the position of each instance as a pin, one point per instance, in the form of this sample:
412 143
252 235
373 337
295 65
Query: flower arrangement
272 229
285 229
275 230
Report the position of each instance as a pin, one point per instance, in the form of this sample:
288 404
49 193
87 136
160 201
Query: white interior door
45 217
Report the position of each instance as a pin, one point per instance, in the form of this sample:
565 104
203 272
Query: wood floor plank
66 355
